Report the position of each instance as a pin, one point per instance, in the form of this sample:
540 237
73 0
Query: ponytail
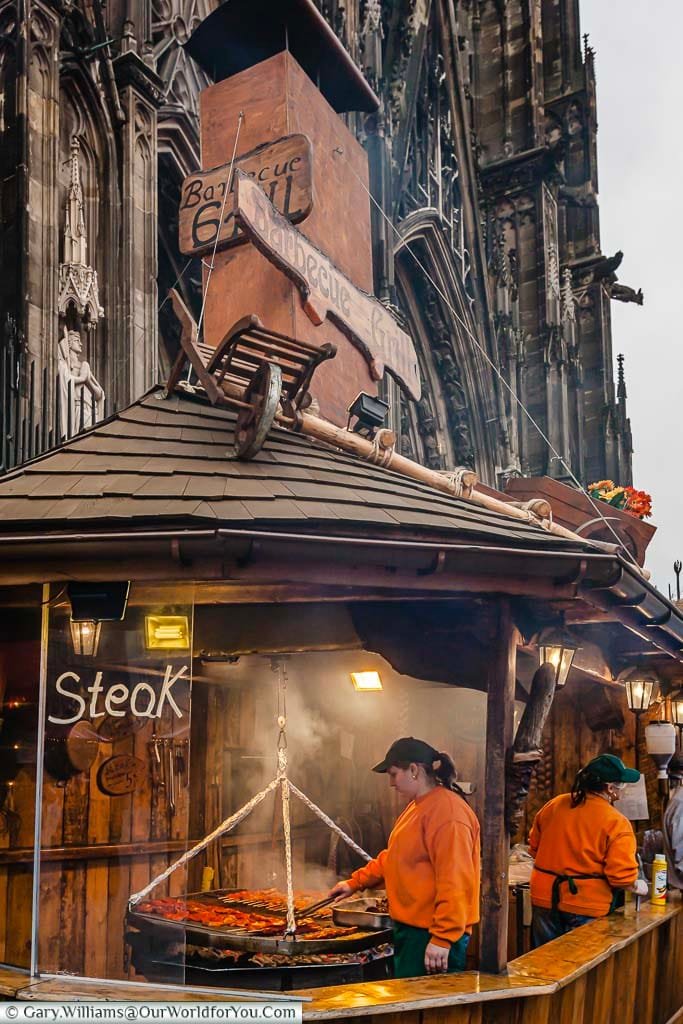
584 783
443 770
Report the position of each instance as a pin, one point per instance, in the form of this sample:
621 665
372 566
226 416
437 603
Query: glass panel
115 809
334 733
20 617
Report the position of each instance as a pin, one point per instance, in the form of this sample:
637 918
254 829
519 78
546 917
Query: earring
414 774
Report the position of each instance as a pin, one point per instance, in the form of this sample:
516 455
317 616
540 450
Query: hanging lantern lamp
640 690
85 637
557 648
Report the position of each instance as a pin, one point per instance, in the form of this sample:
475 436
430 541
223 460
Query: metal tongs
315 907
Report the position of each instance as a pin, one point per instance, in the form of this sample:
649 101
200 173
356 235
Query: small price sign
121 775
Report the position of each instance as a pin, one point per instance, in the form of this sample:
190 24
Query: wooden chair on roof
253 370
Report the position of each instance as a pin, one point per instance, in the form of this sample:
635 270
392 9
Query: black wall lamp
92 604
369 412
641 687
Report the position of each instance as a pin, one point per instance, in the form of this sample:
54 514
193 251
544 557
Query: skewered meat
233 958
212 913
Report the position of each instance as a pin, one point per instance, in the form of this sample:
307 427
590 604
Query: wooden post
494 835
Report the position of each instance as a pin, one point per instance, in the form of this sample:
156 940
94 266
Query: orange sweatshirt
589 839
430 867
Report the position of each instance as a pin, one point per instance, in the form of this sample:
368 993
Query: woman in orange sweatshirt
584 851
430 867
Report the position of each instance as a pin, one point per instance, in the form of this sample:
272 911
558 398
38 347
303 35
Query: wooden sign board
325 290
120 775
283 171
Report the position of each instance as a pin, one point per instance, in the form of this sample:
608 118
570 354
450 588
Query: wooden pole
527 751
494 836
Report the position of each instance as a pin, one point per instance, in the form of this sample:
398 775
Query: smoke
333 736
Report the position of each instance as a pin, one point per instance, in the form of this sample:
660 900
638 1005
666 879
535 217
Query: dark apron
410 944
559 879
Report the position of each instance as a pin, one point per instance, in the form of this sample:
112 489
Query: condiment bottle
658 890
208 873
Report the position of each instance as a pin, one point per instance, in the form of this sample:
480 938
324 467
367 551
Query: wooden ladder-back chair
253 370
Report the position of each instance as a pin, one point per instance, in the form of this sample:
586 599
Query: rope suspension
281 781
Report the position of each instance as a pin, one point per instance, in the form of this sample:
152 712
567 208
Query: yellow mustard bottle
658 888
207 879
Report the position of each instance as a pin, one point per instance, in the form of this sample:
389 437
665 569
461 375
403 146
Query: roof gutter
282 535
639 606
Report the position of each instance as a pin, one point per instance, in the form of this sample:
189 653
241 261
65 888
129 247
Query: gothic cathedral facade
486 236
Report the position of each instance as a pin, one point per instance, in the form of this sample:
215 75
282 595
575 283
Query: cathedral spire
75 243
77 280
621 379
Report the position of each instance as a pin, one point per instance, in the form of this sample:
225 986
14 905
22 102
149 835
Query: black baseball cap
610 768
407 750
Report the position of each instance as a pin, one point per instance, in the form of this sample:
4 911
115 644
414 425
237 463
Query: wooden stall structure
312 549
438 588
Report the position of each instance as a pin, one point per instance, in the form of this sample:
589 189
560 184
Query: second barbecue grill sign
282 169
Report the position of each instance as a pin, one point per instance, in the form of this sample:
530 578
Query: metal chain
278 665
286 788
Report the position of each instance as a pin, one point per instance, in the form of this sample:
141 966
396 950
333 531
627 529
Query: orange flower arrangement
628 499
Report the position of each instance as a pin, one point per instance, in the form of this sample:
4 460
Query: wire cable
228 182
178 279
210 266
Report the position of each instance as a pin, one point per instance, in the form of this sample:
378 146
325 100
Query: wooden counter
624 969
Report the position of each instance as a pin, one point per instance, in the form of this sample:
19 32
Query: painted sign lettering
282 169
142 700
325 290
120 775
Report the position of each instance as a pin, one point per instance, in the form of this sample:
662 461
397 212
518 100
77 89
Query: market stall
149 748
221 605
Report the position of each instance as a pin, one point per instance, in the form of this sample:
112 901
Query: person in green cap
584 851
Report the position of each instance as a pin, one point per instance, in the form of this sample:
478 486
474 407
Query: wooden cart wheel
253 424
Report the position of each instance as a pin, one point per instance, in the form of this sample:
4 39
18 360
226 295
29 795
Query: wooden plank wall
19 667
84 899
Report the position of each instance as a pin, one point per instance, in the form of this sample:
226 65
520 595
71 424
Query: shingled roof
168 461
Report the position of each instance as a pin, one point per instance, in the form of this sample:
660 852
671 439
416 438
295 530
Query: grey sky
639 70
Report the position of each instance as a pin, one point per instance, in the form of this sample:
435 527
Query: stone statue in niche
81 397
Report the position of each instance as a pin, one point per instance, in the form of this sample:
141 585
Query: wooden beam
316 576
494 838
150 848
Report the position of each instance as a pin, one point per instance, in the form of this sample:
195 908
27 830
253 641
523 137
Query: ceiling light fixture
365 682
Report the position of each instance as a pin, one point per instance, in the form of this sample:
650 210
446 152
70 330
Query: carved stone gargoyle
526 751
